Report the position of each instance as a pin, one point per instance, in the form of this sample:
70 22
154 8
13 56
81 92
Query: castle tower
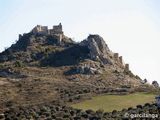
126 66
40 30
116 56
121 61
58 29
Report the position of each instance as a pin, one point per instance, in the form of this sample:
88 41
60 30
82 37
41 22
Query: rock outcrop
99 51
88 68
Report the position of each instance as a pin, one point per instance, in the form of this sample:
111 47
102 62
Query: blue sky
130 27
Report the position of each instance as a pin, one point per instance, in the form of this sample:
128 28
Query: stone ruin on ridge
43 30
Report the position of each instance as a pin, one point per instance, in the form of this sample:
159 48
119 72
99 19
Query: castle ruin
43 30
120 59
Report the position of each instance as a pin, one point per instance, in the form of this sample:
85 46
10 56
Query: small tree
130 108
155 83
145 80
139 106
89 111
100 111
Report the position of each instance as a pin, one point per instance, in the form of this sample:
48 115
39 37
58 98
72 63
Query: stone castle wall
116 57
122 61
126 66
43 30
57 29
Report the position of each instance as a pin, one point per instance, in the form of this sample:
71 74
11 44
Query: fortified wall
57 30
120 59
43 30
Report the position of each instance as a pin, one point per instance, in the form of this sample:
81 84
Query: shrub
114 111
89 111
72 112
48 51
100 111
130 108
147 104
86 91
77 118
84 116
116 71
139 106
20 64
137 77
128 72
70 100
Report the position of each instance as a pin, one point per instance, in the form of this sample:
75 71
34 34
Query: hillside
46 67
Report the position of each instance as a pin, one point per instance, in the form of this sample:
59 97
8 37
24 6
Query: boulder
99 50
88 68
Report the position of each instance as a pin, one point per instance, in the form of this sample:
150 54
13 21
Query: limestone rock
88 68
100 43
99 51
94 50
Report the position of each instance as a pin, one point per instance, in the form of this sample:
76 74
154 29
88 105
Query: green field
116 102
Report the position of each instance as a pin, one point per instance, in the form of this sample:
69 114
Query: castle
120 59
95 43
57 30
43 30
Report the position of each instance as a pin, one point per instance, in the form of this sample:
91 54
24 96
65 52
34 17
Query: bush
72 112
139 106
100 111
128 72
137 77
130 108
84 116
48 51
114 111
89 111
86 91
148 104
20 64
77 118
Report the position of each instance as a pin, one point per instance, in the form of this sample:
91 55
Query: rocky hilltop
99 51
45 62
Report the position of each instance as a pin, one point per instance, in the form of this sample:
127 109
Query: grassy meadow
116 102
